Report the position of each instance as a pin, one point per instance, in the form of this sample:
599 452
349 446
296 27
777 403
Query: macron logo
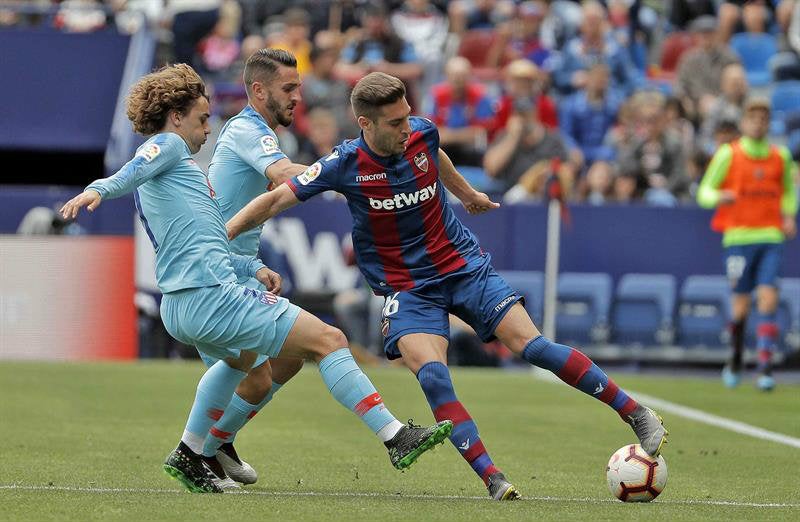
371 177
403 200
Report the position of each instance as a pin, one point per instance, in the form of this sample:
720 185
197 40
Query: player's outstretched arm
261 209
475 202
89 198
283 170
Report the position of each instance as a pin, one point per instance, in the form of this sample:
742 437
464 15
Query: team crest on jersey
385 326
421 161
269 144
268 298
310 174
150 152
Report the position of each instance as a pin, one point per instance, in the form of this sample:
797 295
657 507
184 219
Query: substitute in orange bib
751 183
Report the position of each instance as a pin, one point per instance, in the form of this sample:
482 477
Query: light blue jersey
180 214
245 148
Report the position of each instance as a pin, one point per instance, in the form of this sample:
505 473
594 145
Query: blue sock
577 370
348 385
434 377
214 393
766 340
237 414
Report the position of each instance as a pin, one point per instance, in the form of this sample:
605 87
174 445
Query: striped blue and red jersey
405 233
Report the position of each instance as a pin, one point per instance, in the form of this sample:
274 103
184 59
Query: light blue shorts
225 319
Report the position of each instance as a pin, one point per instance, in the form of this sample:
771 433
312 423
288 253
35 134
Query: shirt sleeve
257 145
708 192
789 201
245 266
321 176
153 158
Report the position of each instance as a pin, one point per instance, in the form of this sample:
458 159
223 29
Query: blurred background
622 102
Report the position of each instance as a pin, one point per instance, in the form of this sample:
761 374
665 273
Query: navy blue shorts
749 266
475 293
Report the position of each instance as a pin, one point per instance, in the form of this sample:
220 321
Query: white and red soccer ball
635 476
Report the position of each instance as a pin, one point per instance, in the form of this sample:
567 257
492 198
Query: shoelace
412 425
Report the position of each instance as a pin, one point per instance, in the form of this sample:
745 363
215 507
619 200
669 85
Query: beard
279 112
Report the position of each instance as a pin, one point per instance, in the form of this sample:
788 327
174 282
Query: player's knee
334 339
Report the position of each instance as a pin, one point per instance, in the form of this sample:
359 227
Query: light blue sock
214 393
348 385
236 415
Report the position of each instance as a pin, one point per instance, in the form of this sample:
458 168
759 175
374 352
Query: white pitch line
334 494
715 420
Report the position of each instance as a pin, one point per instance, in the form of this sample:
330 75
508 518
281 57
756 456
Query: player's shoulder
418 123
248 121
164 144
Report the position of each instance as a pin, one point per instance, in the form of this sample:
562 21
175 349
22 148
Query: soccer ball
635 476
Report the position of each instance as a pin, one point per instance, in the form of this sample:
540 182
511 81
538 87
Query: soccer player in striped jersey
413 250
203 305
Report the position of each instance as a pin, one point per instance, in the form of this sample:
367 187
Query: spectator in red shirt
523 86
463 112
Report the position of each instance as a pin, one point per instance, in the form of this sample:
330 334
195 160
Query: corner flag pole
556 211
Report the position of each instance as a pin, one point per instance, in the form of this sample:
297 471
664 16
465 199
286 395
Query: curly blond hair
173 87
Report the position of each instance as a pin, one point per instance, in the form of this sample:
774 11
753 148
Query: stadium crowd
622 100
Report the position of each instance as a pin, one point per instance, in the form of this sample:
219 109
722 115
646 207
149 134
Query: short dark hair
263 65
373 91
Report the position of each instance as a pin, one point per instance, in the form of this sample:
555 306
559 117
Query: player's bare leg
520 335
740 309
426 356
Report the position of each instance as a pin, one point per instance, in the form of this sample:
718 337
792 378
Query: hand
270 279
478 203
89 199
515 125
789 227
726 197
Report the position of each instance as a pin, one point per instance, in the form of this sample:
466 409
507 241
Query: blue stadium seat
584 300
530 285
755 50
643 310
704 311
783 100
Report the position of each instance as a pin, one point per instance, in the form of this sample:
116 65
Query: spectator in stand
191 21
627 187
463 112
531 187
623 134
677 121
727 107
323 135
683 12
523 143
321 88
424 27
521 36
696 164
294 37
478 14
587 116
378 48
598 188
220 49
786 64
657 153
592 46
525 81
80 16
700 69
750 15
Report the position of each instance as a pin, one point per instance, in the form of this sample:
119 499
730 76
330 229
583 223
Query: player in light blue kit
203 304
247 157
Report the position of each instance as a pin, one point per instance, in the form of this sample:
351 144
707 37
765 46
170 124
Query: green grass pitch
86 442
